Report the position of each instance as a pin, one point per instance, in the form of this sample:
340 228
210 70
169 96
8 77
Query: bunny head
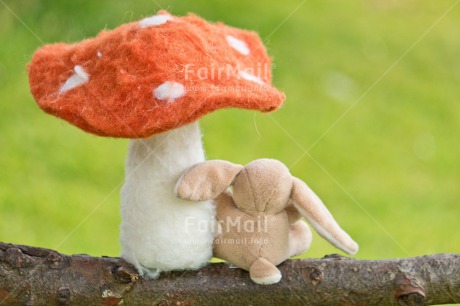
263 185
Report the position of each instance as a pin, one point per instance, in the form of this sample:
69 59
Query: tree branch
36 276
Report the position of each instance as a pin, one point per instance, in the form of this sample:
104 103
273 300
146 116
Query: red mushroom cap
154 75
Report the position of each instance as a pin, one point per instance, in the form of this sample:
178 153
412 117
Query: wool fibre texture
159 231
125 65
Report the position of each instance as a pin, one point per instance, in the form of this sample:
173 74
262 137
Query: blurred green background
373 133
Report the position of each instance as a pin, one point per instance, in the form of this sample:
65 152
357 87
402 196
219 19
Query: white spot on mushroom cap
80 77
169 91
99 54
238 45
154 20
251 77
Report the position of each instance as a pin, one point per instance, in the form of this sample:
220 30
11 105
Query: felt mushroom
150 81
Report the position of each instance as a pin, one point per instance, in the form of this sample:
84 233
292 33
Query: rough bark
36 276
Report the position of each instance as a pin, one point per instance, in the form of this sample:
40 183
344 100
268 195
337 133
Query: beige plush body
258 220
258 241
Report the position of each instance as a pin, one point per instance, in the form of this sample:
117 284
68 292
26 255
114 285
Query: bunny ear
316 213
205 181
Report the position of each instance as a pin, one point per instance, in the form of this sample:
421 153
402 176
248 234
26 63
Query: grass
373 132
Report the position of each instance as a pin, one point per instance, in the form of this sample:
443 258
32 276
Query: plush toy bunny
259 219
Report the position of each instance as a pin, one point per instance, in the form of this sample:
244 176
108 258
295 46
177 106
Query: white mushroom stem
160 232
